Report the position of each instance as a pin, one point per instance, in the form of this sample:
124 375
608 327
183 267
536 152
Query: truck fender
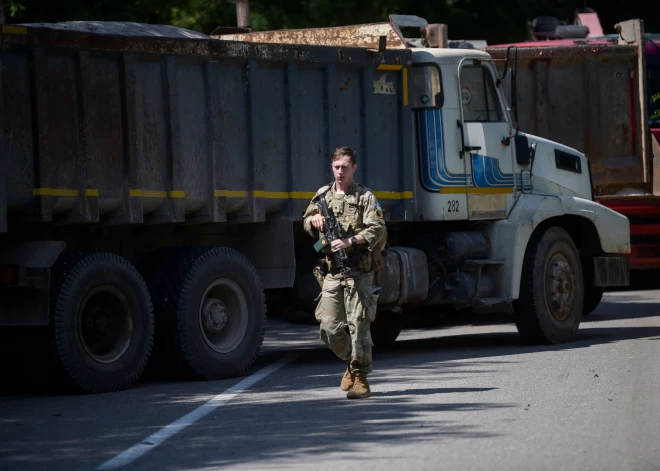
32 254
532 210
613 228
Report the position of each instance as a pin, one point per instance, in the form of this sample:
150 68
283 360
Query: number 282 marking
452 206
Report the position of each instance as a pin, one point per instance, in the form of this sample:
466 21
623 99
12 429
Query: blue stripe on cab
434 172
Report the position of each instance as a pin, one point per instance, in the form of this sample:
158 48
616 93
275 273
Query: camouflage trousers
351 306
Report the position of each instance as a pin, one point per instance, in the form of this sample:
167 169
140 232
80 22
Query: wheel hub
223 315
560 287
106 324
98 322
214 315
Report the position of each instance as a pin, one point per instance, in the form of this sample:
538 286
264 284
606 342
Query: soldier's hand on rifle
318 222
339 244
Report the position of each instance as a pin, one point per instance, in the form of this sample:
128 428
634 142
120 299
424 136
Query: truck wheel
549 308
102 325
386 328
212 313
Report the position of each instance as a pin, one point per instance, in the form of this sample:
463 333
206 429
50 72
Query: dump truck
153 183
609 108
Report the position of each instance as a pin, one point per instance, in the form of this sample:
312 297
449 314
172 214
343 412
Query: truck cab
473 163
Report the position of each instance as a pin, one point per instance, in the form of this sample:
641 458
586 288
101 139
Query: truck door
441 194
482 126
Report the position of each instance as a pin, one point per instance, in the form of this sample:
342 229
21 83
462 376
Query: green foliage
15 8
495 21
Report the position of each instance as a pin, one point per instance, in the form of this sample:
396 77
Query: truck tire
386 328
102 321
211 313
549 309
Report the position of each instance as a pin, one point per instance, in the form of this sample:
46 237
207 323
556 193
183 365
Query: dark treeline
492 20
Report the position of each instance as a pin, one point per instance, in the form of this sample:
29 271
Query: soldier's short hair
342 151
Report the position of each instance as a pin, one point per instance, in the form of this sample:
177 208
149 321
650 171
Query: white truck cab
468 145
474 165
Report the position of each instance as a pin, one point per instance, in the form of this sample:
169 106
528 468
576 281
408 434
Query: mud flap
611 271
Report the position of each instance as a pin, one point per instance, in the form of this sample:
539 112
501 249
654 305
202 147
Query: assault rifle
332 230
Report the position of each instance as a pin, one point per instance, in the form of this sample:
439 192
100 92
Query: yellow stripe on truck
54 192
405 87
157 194
461 190
14 30
298 195
230 193
306 195
404 71
389 67
393 195
67 192
265 194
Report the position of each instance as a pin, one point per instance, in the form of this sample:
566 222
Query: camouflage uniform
351 303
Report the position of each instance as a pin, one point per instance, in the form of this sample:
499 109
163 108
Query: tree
494 21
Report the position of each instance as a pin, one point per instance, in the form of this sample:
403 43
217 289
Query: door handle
459 124
464 148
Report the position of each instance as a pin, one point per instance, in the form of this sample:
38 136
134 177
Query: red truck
600 94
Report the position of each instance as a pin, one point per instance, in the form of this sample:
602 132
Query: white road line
152 441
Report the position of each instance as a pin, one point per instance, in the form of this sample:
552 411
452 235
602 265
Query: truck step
484 262
486 302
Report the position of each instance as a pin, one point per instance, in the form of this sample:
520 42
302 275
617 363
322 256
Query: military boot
348 380
360 388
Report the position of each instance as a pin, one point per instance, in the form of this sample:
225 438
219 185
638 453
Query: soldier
350 301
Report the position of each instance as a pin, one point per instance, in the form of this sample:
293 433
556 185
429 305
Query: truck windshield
478 95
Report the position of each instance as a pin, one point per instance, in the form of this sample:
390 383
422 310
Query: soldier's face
343 170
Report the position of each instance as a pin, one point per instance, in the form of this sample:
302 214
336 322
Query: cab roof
447 56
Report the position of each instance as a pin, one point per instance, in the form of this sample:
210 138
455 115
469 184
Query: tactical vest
348 211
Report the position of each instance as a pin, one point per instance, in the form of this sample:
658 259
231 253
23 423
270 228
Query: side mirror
524 153
506 84
513 102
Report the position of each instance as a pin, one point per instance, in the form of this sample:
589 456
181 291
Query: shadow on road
293 417
315 427
611 311
29 375
286 419
289 415
641 280
293 421
426 392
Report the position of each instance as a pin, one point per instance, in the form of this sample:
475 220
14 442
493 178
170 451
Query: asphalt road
466 397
